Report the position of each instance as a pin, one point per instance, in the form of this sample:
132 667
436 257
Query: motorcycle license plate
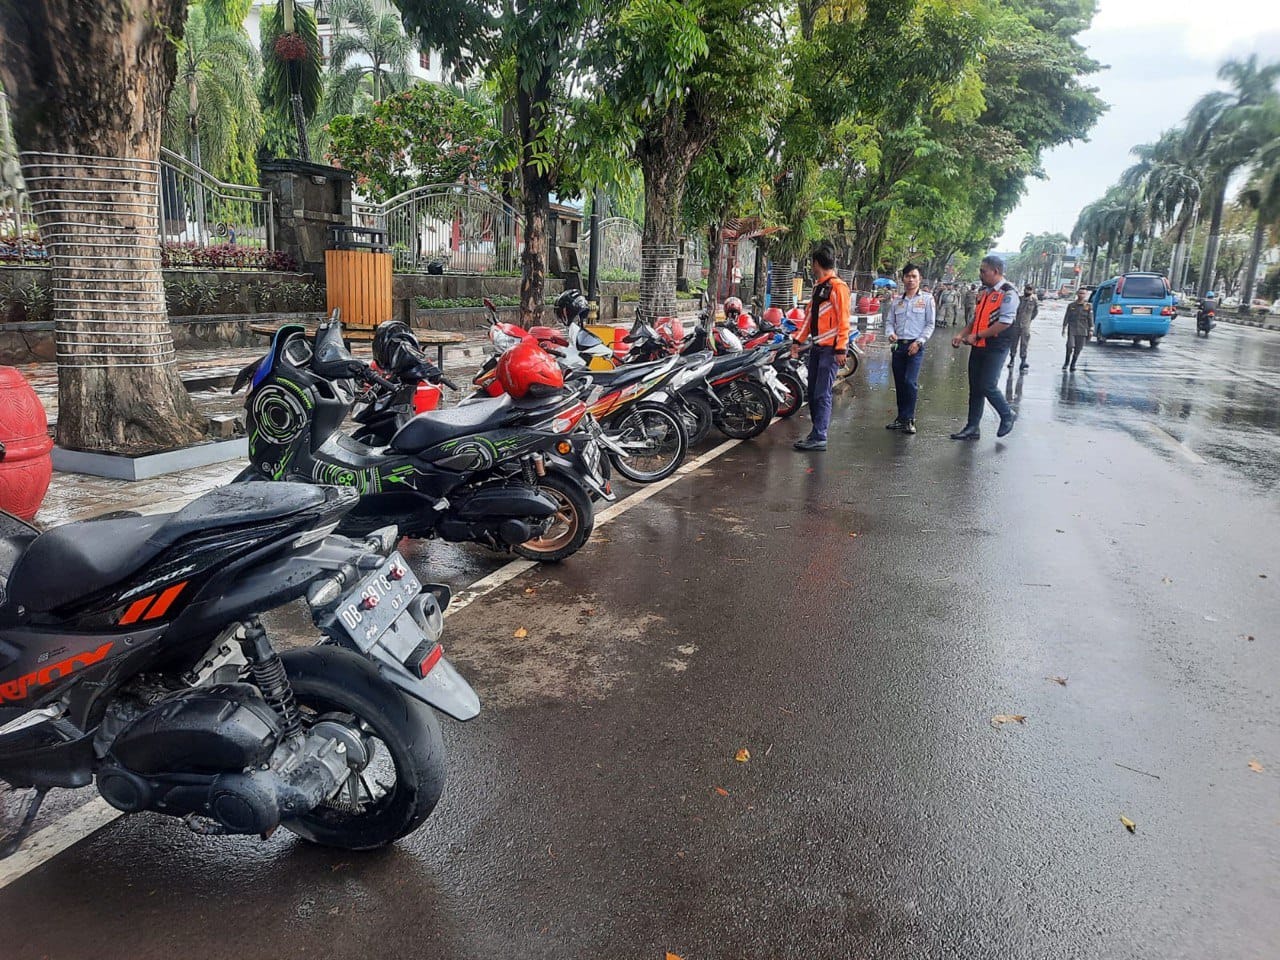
591 456
368 611
1140 310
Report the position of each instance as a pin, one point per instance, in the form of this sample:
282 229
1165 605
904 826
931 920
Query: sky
1159 57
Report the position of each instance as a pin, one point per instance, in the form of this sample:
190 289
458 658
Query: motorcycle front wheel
655 441
795 394
699 418
747 409
399 783
570 527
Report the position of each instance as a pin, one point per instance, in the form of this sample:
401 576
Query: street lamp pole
593 254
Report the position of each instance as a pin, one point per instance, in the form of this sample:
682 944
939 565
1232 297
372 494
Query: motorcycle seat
427 429
625 375
80 558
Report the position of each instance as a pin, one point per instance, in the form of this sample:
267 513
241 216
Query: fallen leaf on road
1255 766
673 956
852 534
529 591
587 611
1060 681
1002 718
1062 531
743 755
1166 579
1128 824
722 791
520 633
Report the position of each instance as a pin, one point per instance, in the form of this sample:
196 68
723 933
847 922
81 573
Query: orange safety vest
987 310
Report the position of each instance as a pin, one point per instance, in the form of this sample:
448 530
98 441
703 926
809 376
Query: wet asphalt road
854 620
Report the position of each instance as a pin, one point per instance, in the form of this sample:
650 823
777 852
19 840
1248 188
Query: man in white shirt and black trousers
909 326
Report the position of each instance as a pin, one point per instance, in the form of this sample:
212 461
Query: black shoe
1025 366
810 444
968 433
1006 425
1064 366
896 425
909 427
1073 368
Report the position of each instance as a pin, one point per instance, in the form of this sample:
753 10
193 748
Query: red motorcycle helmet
773 316
732 307
746 325
526 370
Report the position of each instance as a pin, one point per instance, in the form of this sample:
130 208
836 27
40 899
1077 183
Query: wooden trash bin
358 276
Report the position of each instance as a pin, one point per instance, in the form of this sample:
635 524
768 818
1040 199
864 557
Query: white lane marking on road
86 819
53 839
1170 442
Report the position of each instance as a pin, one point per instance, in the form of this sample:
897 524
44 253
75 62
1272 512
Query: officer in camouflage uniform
1028 309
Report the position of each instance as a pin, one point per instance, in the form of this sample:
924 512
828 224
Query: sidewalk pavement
74 496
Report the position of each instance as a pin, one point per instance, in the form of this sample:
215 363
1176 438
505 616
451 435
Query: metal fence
619 249
196 210
447 228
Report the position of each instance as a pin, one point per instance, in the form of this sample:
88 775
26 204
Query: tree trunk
665 166
89 80
1175 263
533 258
1251 272
714 260
535 191
1126 262
1215 239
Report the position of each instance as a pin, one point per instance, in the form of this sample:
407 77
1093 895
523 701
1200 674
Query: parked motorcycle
463 474
382 411
132 653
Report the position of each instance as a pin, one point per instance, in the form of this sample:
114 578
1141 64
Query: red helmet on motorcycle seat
526 370
732 307
773 316
746 324
795 315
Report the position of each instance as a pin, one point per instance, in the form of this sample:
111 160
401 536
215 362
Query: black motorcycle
381 411
466 474
131 652
1206 319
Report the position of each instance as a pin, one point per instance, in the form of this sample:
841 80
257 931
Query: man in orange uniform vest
827 321
989 335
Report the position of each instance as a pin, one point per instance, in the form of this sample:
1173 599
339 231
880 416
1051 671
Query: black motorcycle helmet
571 305
386 337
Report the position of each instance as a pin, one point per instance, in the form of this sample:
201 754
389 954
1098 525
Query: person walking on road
1028 309
968 301
1077 327
989 336
827 321
909 326
947 300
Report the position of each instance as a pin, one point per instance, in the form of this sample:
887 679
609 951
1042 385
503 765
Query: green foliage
460 303
213 111
423 135
367 60
281 79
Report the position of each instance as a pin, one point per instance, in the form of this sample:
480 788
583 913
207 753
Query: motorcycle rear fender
267 580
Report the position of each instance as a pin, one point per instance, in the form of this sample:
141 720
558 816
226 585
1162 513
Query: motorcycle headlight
502 342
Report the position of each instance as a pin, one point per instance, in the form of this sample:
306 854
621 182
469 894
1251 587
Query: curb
1241 322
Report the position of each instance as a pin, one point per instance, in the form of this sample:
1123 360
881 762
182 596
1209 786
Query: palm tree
213 115
292 81
1263 196
1172 190
1222 133
368 58
1037 254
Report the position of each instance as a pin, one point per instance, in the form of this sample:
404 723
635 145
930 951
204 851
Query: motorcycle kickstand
28 821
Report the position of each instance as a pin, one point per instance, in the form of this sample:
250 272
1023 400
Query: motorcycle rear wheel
402 735
655 438
747 412
570 527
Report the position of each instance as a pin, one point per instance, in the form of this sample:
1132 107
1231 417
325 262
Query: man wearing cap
1028 308
989 336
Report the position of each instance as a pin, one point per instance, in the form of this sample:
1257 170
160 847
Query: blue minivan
1135 306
